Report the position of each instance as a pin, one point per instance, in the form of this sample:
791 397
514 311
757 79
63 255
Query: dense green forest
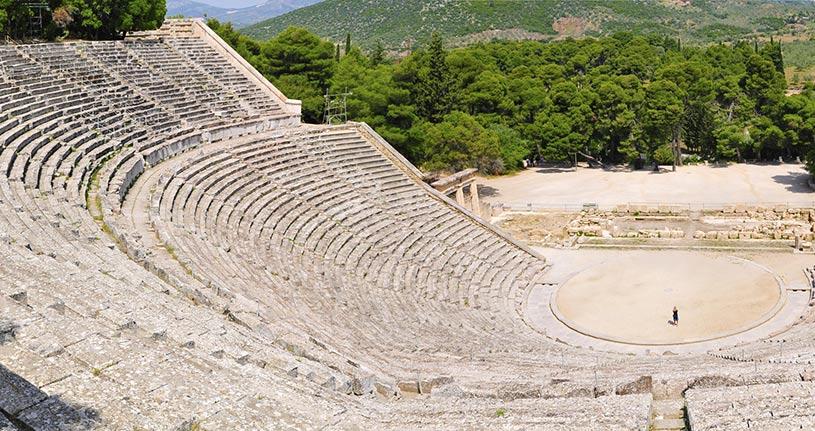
622 99
87 19
397 25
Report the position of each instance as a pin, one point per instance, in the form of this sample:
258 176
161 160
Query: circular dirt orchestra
630 298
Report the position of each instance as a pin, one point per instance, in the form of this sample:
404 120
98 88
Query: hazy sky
229 4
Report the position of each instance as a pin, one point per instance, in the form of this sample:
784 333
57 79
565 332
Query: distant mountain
400 25
193 9
239 17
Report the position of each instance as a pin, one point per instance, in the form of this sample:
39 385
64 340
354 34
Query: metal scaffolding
335 108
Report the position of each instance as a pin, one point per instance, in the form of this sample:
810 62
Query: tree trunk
676 145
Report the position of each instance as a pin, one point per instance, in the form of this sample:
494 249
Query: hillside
239 17
400 24
194 9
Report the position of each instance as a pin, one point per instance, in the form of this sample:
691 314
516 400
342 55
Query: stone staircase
668 411
668 415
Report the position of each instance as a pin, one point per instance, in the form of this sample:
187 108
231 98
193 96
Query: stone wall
733 222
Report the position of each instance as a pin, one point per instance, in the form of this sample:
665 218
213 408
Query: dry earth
630 295
735 183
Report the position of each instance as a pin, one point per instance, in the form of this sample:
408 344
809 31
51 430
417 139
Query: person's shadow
671 322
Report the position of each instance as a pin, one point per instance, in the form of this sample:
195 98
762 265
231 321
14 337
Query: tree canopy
620 99
88 19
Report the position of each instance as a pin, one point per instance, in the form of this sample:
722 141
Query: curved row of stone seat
225 198
262 204
162 73
793 346
65 119
405 202
772 406
155 71
201 53
604 413
61 60
46 224
107 337
49 160
298 316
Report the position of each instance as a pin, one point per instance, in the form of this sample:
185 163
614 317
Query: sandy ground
631 294
735 183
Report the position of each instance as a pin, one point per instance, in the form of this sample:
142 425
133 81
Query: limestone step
668 414
669 409
668 424
5 425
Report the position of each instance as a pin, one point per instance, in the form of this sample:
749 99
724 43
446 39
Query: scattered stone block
292 369
21 297
8 331
128 325
330 384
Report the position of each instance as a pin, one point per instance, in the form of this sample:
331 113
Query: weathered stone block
292 369
410 386
8 331
21 297
16 393
385 391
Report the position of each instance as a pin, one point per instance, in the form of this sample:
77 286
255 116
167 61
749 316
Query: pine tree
337 53
434 98
347 43
378 54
